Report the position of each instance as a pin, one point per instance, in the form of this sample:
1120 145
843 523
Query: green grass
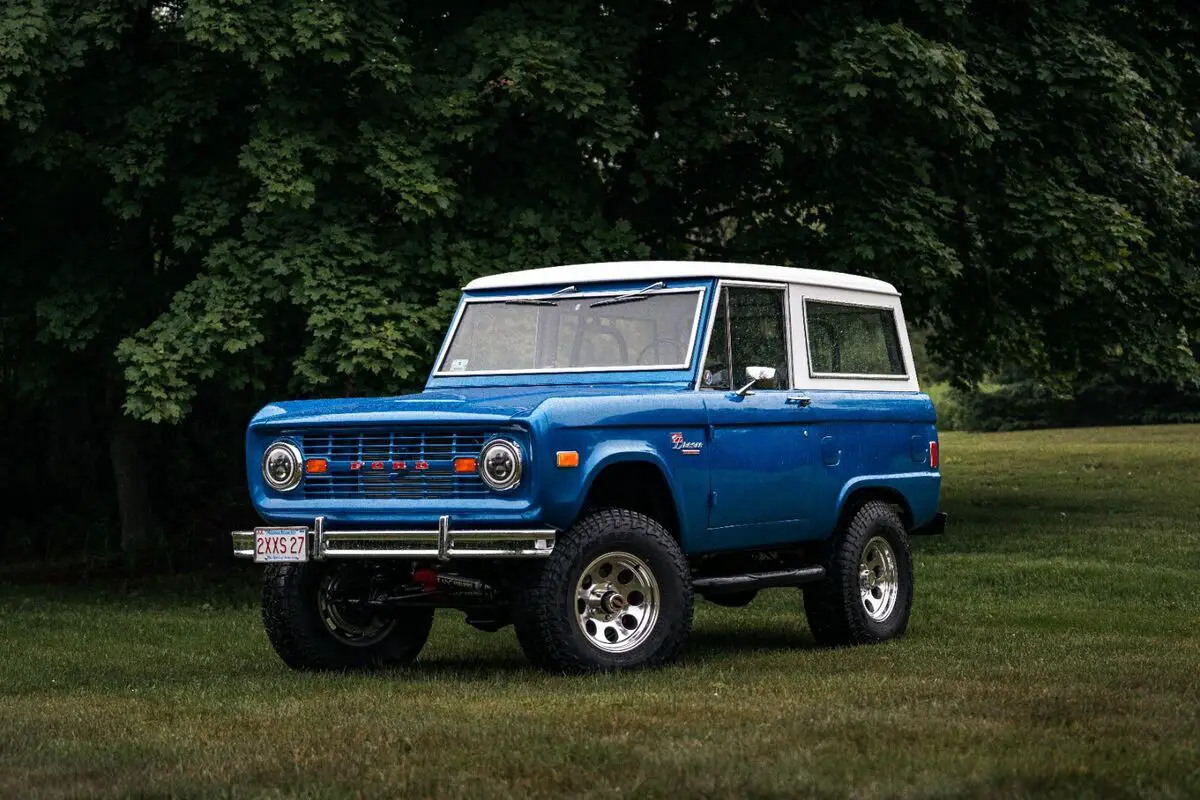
1054 650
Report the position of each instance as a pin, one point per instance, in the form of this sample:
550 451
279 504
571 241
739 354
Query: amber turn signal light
568 458
315 466
466 464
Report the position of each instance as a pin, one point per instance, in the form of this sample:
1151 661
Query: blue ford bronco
597 445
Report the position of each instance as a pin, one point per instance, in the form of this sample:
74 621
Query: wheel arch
854 497
637 481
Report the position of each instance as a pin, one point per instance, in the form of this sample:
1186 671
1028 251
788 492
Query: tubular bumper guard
442 544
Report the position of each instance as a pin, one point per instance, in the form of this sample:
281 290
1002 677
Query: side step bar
753 581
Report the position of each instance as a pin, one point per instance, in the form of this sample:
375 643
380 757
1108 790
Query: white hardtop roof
663 270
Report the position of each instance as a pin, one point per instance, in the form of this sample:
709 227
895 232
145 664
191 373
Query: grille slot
435 448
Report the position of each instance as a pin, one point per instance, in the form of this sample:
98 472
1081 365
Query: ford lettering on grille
392 463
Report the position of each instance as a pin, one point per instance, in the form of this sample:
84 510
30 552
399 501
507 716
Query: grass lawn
1054 650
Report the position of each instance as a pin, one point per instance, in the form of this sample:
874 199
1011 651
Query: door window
749 330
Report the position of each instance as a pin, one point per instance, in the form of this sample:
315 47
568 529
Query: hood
439 406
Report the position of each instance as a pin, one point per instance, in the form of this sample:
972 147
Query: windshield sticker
685 447
459 365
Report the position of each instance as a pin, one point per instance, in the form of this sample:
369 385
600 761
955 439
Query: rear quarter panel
872 440
871 432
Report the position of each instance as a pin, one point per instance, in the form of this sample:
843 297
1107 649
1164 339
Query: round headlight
281 466
500 464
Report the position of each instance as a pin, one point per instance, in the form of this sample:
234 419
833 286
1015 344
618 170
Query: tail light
933 455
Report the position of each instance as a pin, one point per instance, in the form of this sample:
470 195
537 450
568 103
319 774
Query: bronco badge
687 448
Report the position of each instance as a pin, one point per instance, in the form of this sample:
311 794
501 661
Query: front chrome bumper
442 544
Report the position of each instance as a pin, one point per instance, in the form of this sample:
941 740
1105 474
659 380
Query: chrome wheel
617 602
878 582
352 626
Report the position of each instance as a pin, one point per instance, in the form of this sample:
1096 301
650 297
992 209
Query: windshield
581 332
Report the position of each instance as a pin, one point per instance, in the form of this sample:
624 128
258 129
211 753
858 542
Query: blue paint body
744 472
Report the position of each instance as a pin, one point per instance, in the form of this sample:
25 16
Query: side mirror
762 375
756 375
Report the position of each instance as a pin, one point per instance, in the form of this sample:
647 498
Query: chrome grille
436 449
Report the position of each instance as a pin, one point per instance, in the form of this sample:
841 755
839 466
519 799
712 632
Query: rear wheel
867 593
615 594
313 623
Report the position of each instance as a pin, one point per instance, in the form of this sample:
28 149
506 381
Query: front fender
623 451
567 489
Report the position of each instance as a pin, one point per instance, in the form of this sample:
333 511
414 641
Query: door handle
799 400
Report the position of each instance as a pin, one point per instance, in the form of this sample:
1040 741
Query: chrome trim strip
443 543
443 536
318 549
422 554
859 375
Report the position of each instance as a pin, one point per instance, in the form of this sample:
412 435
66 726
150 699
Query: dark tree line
204 205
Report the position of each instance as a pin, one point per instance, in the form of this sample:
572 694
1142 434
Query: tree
284 198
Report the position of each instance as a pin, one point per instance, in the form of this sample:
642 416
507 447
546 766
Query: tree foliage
260 198
225 186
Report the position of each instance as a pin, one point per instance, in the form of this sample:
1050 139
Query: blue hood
499 404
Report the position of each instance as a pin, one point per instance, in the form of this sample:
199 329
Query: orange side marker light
568 458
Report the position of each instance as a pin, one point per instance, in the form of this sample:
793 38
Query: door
760 462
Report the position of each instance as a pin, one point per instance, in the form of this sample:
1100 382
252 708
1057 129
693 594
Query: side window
853 340
750 330
716 361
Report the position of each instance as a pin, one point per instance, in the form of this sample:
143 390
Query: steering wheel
654 345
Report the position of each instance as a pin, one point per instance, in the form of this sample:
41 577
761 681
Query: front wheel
867 594
615 594
315 619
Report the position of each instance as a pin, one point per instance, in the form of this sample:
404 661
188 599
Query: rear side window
853 340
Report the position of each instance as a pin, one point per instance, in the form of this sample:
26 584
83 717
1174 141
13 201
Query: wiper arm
640 294
540 301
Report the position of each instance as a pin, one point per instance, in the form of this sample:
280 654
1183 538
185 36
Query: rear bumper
443 543
934 527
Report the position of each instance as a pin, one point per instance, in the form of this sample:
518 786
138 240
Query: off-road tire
546 619
296 630
834 606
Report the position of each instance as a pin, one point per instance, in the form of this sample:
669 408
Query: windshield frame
543 292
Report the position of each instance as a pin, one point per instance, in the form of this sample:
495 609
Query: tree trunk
133 496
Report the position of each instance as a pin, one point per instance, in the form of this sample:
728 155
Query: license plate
274 545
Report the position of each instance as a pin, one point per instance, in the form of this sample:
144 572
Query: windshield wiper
640 294
540 301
